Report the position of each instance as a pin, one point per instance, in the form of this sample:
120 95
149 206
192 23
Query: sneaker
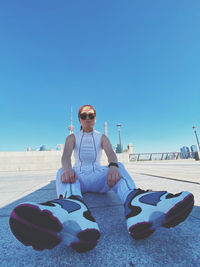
145 211
45 225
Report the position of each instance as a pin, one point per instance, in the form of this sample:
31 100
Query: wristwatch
113 164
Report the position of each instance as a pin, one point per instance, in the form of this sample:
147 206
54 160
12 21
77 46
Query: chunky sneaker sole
145 212
44 226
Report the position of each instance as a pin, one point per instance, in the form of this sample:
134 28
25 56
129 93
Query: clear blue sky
136 61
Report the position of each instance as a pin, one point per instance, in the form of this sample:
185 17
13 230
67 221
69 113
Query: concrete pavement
177 246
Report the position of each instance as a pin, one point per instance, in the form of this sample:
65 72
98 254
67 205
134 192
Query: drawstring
95 151
80 151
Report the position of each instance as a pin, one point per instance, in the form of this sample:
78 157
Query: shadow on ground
178 246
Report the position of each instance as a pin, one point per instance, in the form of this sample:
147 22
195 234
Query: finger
61 177
63 180
115 181
119 177
108 178
71 175
109 182
75 178
72 179
112 181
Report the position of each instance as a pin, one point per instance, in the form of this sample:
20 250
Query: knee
122 168
59 173
120 164
59 170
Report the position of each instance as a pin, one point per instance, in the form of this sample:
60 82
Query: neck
88 130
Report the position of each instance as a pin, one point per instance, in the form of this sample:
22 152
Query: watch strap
113 164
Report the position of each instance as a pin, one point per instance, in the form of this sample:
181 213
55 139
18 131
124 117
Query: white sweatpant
95 181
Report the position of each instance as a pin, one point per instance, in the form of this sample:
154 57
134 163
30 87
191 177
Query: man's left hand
113 176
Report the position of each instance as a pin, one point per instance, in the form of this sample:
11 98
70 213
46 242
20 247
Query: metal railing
162 156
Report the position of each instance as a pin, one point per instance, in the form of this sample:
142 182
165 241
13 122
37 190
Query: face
87 123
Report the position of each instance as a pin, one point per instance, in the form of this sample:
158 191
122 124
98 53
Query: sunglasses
84 116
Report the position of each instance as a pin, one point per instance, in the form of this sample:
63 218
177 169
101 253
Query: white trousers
95 181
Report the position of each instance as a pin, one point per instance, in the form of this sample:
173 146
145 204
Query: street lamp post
194 128
120 142
71 127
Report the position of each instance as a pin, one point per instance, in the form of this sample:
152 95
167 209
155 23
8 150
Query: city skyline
137 63
120 147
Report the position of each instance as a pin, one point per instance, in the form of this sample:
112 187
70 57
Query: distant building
59 147
193 150
119 148
130 149
185 152
31 149
43 148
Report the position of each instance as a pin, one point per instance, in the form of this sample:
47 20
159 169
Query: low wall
41 160
30 160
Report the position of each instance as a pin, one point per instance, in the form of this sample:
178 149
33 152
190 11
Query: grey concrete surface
177 246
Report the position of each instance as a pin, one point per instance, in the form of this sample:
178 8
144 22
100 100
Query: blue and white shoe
145 211
45 225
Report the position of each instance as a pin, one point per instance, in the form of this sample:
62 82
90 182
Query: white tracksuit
92 177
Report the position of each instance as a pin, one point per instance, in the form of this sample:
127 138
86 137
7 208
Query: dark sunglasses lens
83 116
91 116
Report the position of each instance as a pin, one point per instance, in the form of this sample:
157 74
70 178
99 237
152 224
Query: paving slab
188 170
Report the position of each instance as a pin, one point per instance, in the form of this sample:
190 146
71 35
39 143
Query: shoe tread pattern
35 227
179 212
88 240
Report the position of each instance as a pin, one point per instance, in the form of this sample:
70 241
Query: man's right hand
69 176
